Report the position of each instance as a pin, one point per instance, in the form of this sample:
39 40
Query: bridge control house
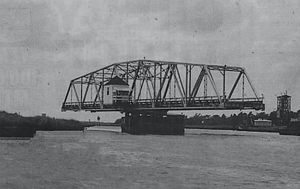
115 91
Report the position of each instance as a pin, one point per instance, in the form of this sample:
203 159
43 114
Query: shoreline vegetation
13 124
235 121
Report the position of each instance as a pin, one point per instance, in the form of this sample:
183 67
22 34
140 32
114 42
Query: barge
293 128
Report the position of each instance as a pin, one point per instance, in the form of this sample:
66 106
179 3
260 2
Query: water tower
284 108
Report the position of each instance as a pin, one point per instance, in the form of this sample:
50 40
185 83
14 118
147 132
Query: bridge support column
152 122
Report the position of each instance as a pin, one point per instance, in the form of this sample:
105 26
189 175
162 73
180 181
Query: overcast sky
45 44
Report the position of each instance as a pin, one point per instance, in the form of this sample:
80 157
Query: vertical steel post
91 93
102 88
81 90
160 80
140 89
71 93
154 86
190 80
174 87
243 88
134 93
147 89
127 73
186 82
205 86
224 90
79 104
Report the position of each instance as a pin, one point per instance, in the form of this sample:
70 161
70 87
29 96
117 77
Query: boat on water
258 128
260 125
293 128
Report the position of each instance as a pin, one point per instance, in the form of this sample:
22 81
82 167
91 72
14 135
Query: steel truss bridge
163 85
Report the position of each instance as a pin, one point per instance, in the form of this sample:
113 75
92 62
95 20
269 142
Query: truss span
162 85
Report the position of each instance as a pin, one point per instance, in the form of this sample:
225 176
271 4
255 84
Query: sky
46 43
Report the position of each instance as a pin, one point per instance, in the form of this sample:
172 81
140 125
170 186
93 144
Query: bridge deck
170 104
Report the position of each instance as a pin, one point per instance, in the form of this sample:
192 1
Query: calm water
105 159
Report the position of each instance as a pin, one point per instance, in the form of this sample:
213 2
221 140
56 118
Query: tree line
43 123
241 119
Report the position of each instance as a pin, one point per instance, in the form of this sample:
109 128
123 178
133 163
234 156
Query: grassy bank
44 123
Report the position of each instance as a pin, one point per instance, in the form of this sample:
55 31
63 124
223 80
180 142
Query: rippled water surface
106 159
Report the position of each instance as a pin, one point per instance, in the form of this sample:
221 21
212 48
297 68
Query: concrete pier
159 123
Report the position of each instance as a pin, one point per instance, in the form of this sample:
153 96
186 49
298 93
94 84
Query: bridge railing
208 98
245 99
198 102
121 98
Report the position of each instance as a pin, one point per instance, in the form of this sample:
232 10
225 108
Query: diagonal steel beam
211 79
141 89
180 91
169 81
197 84
66 97
114 71
149 75
97 93
235 84
79 103
163 82
253 89
87 88
149 91
134 80
180 80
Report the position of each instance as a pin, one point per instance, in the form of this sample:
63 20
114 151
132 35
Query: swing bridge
163 86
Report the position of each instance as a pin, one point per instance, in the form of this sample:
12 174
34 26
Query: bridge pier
152 122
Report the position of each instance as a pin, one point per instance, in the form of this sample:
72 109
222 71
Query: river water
110 159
